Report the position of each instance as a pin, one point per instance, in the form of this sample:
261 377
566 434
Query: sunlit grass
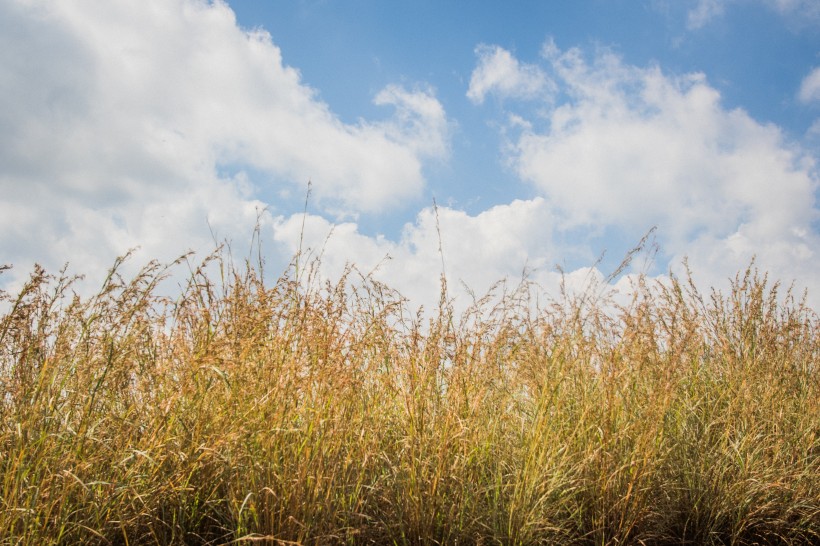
310 413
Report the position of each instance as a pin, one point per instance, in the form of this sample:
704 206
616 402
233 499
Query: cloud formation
634 148
472 251
703 12
810 87
134 124
500 74
802 12
156 123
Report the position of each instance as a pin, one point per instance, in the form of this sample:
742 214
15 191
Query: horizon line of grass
329 413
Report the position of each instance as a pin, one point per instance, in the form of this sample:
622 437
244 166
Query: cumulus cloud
133 124
633 148
499 73
810 87
472 251
420 123
626 148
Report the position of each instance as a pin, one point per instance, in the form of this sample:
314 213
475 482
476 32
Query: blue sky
546 132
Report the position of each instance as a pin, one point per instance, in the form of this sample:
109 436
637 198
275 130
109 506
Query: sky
482 140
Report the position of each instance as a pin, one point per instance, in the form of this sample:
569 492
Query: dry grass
329 414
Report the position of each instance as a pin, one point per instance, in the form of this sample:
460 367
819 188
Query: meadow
298 411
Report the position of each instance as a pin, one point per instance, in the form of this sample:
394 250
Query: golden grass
308 413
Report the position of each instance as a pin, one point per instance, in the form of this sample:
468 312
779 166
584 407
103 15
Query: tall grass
310 413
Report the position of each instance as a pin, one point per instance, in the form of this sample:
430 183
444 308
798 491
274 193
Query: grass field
305 413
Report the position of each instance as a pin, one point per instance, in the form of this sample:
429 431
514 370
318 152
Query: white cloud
704 12
420 123
130 123
499 73
700 13
810 87
805 9
488 253
799 14
478 251
634 147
